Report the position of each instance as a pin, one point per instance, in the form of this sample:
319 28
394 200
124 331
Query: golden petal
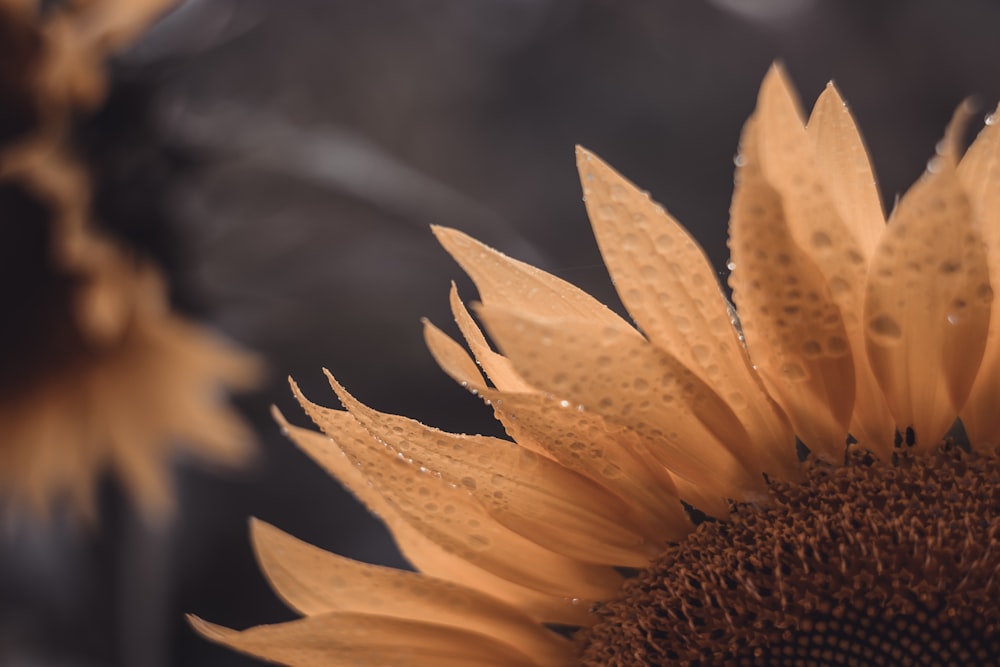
361 640
497 366
450 516
979 173
812 200
314 581
632 383
793 327
670 289
529 494
506 282
421 551
613 456
928 305
842 160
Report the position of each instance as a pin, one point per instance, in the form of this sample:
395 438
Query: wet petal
314 581
811 200
506 282
421 551
794 330
530 494
360 640
634 384
669 287
928 305
450 516
979 173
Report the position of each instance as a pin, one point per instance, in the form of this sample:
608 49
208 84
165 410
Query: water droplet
934 164
469 483
885 329
837 346
731 265
950 266
739 160
564 404
822 240
812 349
991 119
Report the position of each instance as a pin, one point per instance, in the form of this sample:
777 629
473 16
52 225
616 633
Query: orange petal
842 160
532 495
928 305
450 516
314 581
793 328
421 551
360 640
979 173
612 456
506 282
811 200
634 384
670 289
497 366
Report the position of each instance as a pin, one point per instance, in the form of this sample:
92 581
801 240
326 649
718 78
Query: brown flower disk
868 564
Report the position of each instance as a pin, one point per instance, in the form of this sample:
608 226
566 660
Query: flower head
98 372
775 473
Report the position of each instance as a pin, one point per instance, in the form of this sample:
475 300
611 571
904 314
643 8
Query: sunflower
98 371
768 485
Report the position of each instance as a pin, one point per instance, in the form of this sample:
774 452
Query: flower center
867 564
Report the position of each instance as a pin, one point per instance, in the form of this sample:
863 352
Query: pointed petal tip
209 630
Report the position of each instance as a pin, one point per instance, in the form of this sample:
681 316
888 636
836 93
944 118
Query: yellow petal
979 173
421 551
928 305
506 282
530 494
634 384
670 289
450 516
842 160
314 581
359 640
793 328
497 366
612 456
814 210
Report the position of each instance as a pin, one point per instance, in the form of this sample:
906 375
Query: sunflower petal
670 289
360 640
314 581
506 282
634 384
612 456
979 172
811 200
928 305
530 494
793 328
450 516
421 551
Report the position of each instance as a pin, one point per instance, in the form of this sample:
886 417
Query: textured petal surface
793 328
812 200
928 305
314 581
530 494
615 457
979 173
359 640
451 517
421 551
670 289
634 384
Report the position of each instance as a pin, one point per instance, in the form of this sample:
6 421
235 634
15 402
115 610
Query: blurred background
320 138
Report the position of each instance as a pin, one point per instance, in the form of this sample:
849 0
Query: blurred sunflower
767 488
98 371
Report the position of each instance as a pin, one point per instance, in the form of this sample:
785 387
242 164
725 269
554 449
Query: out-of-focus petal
314 581
361 640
